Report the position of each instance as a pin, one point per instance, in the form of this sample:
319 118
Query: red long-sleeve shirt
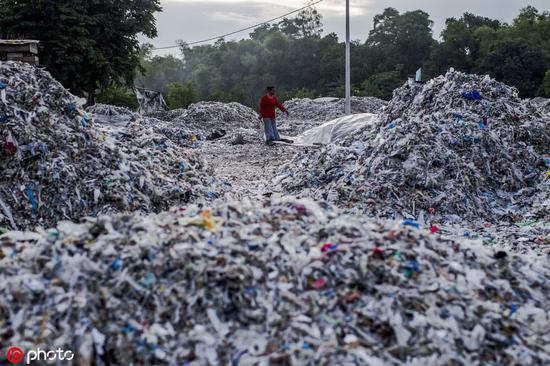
268 105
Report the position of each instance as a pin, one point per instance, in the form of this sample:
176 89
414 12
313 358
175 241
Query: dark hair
270 88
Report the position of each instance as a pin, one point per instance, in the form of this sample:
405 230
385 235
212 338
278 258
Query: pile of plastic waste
117 116
542 104
217 112
209 114
57 164
458 147
285 283
166 115
110 114
205 121
108 110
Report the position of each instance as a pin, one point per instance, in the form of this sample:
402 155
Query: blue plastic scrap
84 120
71 107
117 264
472 95
411 223
413 265
458 117
32 198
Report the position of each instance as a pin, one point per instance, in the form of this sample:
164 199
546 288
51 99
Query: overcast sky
195 20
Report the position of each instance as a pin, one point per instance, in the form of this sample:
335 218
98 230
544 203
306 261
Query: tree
119 96
331 61
309 23
302 63
546 84
260 33
462 43
404 39
533 27
306 24
180 95
157 72
519 64
382 85
87 44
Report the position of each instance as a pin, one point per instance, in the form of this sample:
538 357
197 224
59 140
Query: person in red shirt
268 103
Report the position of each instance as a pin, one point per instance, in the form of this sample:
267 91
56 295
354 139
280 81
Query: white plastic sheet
336 129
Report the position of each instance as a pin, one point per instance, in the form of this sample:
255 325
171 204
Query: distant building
23 50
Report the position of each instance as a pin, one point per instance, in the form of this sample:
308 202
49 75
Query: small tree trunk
91 96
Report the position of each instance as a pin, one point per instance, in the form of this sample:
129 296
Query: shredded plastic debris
108 110
204 115
461 162
57 164
542 104
206 121
149 100
284 283
105 113
207 112
434 150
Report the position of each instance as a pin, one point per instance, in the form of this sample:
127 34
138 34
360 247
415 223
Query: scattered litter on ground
248 167
109 110
287 282
238 140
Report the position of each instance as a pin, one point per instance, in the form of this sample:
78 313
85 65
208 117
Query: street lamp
348 63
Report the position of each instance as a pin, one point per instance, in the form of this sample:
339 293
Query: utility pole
348 63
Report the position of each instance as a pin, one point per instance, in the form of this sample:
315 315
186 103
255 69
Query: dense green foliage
118 95
180 95
92 46
87 44
161 71
517 54
295 57
546 84
382 84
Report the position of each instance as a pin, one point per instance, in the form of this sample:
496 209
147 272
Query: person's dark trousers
271 133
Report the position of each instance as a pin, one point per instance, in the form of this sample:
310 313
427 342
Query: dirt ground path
249 168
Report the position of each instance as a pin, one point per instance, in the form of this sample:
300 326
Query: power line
241 30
